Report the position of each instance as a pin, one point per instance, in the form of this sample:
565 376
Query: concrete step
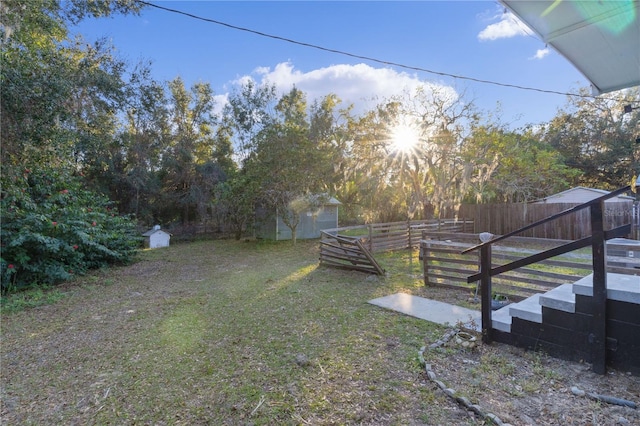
528 309
561 298
501 320
620 287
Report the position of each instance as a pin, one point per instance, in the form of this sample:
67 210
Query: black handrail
598 243
620 231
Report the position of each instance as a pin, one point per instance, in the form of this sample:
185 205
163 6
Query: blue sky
469 38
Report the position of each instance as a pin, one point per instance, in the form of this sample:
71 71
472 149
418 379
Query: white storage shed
156 238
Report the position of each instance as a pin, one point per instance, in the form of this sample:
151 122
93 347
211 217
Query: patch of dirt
143 269
525 387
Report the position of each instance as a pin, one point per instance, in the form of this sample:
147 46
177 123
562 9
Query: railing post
485 292
598 336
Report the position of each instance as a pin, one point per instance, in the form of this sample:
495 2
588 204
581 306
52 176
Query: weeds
30 298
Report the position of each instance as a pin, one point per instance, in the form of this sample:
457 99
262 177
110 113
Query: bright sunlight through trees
404 137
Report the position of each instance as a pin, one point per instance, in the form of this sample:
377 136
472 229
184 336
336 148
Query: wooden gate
347 253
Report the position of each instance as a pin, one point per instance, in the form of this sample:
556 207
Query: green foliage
53 229
163 153
30 298
55 92
596 137
236 201
287 163
246 114
59 100
189 174
514 167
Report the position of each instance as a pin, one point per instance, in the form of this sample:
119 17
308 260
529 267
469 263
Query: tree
56 98
286 162
143 140
328 132
236 199
436 166
247 113
189 172
428 175
595 136
367 186
519 168
49 83
243 118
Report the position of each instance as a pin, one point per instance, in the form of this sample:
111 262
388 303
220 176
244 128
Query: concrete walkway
430 310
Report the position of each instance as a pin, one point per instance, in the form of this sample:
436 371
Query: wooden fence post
424 249
598 336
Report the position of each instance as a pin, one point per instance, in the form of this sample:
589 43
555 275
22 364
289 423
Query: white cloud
360 84
261 70
508 26
219 101
541 53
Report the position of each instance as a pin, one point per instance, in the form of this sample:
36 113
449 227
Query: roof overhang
600 38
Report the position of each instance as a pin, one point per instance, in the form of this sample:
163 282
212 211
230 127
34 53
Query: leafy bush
53 229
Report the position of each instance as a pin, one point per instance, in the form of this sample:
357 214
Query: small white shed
156 238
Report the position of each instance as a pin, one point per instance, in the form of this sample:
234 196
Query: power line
366 58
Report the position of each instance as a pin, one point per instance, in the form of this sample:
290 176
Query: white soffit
600 38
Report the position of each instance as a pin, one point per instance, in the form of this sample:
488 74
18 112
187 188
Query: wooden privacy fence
501 219
444 265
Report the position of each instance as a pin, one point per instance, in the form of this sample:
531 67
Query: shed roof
150 232
333 201
582 189
330 201
600 38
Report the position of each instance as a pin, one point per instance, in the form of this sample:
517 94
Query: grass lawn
256 333
221 332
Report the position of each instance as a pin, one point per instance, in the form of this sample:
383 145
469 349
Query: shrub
53 229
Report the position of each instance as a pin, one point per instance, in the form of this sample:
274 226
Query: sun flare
404 138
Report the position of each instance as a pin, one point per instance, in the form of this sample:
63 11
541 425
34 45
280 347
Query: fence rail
444 265
379 237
